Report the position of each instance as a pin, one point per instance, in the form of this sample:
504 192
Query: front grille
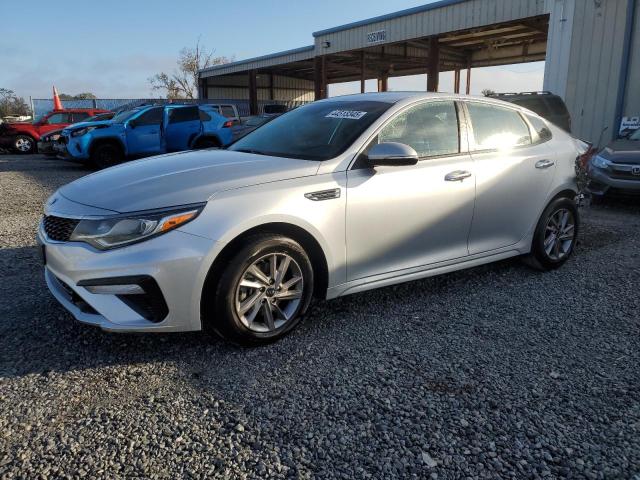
622 175
59 229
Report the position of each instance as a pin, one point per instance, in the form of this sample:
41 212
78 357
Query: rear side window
204 116
186 114
541 131
431 129
497 127
152 116
79 116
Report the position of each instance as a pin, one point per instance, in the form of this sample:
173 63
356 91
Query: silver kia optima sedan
336 197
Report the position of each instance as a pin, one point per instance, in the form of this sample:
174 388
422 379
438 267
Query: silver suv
336 197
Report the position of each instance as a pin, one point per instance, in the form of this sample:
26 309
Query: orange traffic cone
57 104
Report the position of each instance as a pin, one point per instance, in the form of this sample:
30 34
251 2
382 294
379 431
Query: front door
55 121
404 217
143 133
181 126
514 170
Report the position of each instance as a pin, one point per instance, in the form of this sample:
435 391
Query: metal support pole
383 82
468 76
362 66
253 93
320 77
433 67
271 96
456 81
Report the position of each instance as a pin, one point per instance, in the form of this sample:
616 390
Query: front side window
431 129
152 116
57 118
317 131
497 128
79 116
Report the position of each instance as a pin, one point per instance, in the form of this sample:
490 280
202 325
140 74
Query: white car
339 196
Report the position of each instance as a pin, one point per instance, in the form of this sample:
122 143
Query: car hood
76 126
622 151
180 179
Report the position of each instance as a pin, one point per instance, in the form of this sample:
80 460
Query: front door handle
545 163
457 176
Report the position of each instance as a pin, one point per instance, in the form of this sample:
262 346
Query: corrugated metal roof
389 16
285 55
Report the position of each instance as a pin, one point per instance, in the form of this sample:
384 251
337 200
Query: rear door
181 126
514 170
143 133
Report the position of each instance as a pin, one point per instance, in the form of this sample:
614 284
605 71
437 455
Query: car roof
410 97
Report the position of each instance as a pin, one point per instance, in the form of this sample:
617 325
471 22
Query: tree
10 104
487 92
183 82
79 96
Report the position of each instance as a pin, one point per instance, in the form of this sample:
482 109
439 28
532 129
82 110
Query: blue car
145 131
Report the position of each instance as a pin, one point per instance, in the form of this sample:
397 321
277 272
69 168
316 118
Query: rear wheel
264 291
24 144
105 156
206 143
555 234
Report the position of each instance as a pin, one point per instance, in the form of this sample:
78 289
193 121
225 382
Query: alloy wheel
559 234
23 144
269 292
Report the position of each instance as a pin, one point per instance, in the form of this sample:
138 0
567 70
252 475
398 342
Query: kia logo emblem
635 171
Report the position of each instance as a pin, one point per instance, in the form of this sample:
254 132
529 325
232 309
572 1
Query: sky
111 48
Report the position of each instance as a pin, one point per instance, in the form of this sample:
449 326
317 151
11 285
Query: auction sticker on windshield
350 114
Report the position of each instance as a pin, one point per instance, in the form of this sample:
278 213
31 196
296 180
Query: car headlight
82 131
600 162
124 230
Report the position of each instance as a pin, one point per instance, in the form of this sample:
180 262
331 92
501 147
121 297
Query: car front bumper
176 262
619 179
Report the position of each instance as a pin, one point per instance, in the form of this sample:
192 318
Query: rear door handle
545 163
457 176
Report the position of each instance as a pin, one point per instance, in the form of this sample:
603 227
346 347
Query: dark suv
545 104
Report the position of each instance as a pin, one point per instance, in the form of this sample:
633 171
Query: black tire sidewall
100 154
537 249
26 137
226 321
206 143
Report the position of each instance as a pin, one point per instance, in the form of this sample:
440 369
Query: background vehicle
22 137
336 197
226 110
50 139
250 124
145 131
549 106
616 169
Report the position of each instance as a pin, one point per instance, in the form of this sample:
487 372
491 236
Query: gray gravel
497 372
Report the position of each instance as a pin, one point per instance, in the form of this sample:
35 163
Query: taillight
228 124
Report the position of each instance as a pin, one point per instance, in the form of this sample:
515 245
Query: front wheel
105 156
264 291
555 234
24 144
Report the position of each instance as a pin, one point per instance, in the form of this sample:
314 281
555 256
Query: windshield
318 131
635 135
125 115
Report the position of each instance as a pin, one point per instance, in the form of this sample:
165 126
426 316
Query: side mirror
392 154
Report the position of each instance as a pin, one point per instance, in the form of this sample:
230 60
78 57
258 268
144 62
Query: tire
105 156
253 328
206 143
24 144
548 251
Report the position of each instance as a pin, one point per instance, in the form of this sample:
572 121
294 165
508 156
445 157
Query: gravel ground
496 372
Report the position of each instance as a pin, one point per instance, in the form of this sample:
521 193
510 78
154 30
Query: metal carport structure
456 35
